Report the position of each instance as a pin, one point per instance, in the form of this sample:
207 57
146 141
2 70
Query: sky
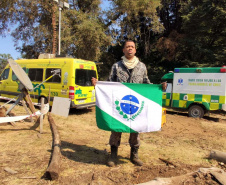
7 44
7 47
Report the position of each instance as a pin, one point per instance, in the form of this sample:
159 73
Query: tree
205 30
194 34
170 13
33 25
82 30
136 20
4 59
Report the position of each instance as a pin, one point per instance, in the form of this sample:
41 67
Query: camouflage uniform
119 73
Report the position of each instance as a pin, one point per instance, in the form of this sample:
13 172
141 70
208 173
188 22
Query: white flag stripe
129 102
151 111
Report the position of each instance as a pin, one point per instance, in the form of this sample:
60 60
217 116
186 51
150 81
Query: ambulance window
56 78
83 77
5 74
35 74
14 77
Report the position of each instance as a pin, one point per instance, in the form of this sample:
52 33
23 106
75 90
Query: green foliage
136 20
168 33
33 24
195 33
3 60
205 30
83 34
170 13
108 59
86 36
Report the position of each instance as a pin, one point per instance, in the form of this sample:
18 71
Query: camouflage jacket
119 73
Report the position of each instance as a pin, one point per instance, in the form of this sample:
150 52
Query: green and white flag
128 107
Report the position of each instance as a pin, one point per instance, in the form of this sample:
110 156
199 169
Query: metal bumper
82 106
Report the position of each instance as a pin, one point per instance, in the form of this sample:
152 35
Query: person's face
129 50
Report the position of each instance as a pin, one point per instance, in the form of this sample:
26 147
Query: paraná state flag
128 107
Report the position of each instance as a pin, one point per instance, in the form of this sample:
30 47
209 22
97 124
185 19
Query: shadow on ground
85 154
80 111
209 118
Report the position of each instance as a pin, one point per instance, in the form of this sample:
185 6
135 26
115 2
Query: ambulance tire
45 99
196 111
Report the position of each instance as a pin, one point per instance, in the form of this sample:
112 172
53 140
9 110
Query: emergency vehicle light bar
176 70
201 70
223 70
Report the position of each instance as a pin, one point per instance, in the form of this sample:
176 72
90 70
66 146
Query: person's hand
94 81
164 86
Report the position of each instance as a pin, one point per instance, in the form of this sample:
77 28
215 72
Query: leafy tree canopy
82 31
169 33
200 40
4 59
205 31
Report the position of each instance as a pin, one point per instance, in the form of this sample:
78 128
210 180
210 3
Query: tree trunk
218 155
54 29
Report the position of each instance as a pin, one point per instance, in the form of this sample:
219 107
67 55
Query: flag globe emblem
129 104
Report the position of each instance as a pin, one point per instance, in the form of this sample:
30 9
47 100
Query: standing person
129 70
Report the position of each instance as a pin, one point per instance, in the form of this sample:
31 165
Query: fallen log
218 155
54 166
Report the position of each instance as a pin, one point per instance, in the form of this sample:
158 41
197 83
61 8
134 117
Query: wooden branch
31 177
218 155
116 16
167 161
53 169
29 102
25 107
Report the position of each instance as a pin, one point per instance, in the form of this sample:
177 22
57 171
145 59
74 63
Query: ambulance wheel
196 111
45 100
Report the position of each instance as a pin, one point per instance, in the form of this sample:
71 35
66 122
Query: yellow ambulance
60 77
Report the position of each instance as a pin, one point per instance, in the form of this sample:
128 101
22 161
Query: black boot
113 157
134 156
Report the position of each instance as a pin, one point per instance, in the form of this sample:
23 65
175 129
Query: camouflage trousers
115 139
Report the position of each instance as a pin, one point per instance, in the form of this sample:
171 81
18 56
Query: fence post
41 116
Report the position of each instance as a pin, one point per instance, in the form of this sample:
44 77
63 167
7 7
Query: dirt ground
181 147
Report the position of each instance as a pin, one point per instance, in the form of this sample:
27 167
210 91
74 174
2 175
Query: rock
7 169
